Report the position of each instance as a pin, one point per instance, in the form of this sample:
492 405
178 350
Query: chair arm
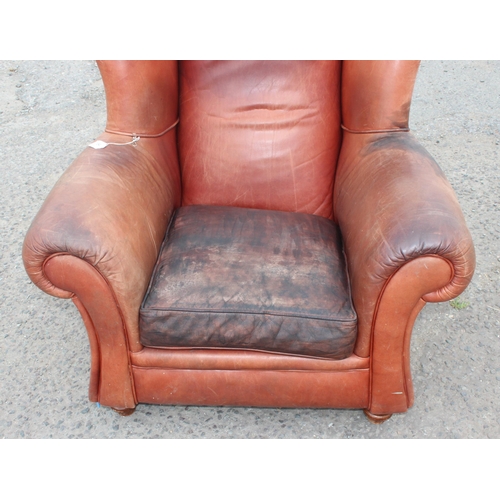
110 208
394 204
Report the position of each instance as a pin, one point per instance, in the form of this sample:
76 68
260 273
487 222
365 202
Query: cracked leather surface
250 279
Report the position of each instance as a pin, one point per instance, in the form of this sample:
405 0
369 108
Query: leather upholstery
289 389
105 196
275 122
376 95
404 208
222 359
241 278
141 96
265 136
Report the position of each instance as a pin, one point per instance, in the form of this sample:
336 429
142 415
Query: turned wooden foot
125 412
376 419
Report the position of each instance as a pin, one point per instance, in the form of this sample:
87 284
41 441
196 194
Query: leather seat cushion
240 278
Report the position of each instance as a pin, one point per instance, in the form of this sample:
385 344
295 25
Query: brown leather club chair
268 241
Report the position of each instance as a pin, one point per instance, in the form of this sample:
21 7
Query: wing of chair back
97 236
404 233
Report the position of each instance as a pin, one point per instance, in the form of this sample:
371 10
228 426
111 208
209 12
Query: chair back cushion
260 134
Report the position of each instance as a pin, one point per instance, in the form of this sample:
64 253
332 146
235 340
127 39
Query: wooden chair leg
376 419
125 412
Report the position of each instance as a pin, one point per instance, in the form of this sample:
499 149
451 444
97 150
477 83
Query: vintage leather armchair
268 241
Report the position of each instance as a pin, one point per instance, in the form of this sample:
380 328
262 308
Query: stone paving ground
51 110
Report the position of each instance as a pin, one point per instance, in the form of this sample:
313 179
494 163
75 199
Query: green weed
459 303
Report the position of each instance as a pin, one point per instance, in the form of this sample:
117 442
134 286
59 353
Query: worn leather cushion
242 278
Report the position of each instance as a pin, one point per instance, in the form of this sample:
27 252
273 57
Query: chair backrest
260 134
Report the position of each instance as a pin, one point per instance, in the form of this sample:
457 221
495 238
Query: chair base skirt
258 388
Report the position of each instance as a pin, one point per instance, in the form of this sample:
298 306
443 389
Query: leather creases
241 278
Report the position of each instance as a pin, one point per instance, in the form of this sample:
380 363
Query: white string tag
102 144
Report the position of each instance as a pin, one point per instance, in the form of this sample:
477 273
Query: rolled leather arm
111 208
394 204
